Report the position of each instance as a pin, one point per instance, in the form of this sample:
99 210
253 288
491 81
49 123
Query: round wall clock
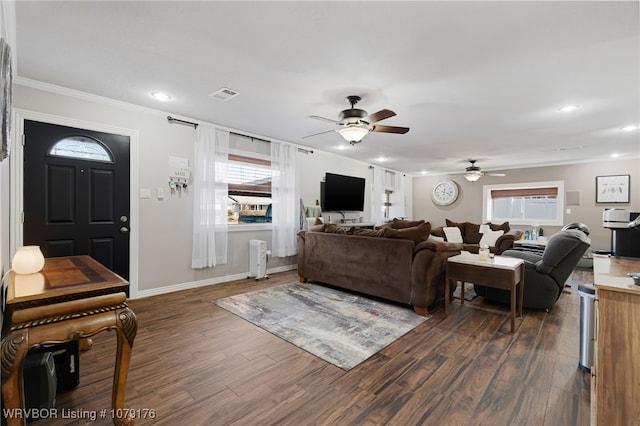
445 193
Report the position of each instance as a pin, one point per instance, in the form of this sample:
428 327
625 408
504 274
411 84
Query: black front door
76 193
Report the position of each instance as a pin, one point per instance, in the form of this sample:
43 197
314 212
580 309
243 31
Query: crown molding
65 91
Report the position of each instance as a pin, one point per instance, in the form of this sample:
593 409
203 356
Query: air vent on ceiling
224 94
570 148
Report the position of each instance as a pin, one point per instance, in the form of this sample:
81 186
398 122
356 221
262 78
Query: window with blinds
249 180
537 203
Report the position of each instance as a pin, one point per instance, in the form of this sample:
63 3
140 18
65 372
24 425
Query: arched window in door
81 147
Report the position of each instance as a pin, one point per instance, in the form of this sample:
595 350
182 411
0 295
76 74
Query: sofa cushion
416 233
402 223
453 234
489 238
368 232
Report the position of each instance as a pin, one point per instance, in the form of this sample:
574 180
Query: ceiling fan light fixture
472 176
353 133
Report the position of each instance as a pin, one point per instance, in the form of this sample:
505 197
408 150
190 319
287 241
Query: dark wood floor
197 364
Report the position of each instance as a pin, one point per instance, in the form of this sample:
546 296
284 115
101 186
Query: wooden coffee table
500 272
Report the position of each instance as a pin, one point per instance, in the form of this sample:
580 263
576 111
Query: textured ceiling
471 79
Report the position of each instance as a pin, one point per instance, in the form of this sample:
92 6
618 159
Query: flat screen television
340 193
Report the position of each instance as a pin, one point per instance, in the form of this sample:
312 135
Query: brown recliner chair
545 274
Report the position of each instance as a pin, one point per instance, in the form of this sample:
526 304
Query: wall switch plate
145 193
160 193
568 211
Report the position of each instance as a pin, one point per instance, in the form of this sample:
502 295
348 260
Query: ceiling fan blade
316 134
390 129
317 117
377 116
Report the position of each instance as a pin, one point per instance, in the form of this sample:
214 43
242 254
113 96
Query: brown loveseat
471 235
389 264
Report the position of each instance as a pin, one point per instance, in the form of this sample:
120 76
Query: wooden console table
500 272
72 298
615 381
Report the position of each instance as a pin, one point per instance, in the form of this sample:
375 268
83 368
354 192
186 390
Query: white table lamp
27 260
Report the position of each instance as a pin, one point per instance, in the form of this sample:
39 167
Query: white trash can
587 324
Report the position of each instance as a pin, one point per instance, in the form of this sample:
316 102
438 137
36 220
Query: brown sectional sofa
471 235
401 265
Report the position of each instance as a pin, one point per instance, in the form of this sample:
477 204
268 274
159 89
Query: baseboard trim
209 281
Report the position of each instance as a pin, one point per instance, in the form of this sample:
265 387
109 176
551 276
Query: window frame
487 202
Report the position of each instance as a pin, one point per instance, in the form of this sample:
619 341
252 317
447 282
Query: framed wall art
612 189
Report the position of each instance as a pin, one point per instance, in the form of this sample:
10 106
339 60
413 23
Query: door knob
124 229
123 219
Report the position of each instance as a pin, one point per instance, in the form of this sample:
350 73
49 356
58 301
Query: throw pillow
435 238
438 232
472 233
331 228
490 237
368 232
402 223
453 234
386 225
416 233
317 228
311 221
459 225
495 227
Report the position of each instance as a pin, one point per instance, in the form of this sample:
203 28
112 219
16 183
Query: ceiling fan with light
356 123
473 172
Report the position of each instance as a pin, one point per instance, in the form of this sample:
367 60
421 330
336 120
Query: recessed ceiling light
568 108
342 147
160 96
629 128
615 155
381 159
424 172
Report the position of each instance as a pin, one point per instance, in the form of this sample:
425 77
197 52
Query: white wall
313 168
576 177
165 226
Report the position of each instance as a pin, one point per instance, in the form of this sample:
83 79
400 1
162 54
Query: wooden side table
73 297
499 272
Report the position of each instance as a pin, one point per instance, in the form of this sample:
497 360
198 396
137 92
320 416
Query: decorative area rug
469 292
341 328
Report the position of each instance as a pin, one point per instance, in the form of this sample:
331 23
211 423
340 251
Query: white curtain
210 192
285 199
377 194
398 199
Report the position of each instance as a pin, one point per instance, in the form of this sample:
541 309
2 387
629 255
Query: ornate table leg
14 350
126 328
